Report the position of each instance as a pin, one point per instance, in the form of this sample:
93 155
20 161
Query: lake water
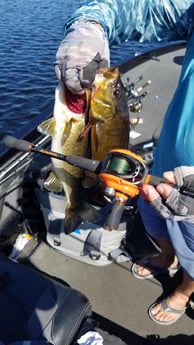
30 33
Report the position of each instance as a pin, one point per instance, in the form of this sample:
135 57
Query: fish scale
65 128
109 114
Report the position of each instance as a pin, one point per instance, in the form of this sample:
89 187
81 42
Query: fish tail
74 217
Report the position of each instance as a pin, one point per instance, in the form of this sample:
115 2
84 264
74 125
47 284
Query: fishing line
120 166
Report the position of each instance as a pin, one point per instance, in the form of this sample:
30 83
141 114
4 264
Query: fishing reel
122 173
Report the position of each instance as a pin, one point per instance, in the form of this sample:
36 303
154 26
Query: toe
162 313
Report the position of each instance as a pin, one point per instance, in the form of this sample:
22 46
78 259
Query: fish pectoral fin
48 127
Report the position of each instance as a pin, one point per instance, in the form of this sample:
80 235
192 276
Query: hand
83 50
169 201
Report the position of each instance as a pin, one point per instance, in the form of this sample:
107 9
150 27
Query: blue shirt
175 146
151 21
142 20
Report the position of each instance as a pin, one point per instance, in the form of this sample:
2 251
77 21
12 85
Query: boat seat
37 309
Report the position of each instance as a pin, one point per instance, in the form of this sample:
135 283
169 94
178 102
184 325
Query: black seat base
36 307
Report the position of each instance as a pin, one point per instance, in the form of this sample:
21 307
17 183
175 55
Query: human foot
168 310
152 267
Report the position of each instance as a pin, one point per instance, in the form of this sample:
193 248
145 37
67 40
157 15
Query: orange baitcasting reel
123 172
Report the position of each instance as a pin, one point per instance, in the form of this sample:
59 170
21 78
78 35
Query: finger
149 193
57 71
87 74
72 81
164 190
161 208
103 63
169 176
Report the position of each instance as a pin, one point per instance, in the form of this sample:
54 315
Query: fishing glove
83 50
179 206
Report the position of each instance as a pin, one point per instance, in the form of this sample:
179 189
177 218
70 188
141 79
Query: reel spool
122 172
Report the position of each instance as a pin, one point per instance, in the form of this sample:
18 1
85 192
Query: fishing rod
26 146
19 164
123 172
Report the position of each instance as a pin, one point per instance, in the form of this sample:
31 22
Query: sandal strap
170 270
148 264
165 307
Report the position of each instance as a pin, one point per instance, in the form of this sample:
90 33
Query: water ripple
30 35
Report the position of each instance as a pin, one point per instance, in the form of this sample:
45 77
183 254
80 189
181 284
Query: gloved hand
83 50
171 202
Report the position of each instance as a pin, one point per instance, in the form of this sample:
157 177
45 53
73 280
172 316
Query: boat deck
116 296
118 299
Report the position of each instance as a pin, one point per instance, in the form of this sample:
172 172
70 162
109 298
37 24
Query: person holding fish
89 33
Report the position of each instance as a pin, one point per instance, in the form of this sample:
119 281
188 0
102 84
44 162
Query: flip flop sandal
155 270
165 307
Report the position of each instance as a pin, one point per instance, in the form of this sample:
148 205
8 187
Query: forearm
141 20
105 12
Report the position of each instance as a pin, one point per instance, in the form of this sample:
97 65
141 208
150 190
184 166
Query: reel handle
113 220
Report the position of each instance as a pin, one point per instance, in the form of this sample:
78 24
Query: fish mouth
76 103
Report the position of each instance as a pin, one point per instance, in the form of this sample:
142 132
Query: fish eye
117 90
117 93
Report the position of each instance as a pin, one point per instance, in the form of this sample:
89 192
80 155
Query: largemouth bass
109 114
66 127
